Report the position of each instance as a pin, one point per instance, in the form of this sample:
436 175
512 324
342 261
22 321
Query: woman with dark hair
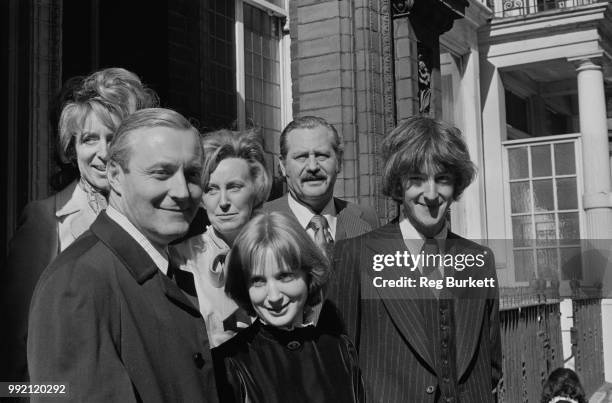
276 272
86 126
235 183
563 386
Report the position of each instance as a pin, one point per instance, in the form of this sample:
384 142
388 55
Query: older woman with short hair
86 127
277 273
235 183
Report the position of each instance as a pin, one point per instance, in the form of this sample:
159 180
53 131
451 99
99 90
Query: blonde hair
111 95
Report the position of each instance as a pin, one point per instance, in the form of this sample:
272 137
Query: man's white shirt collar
158 258
304 214
414 240
413 237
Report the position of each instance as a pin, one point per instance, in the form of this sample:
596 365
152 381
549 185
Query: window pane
248 41
571 264
569 227
262 72
519 167
566 194
256 43
248 87
520 197
547 263
543 195
564 159
522 230
545 229
219 96
524 265
540 161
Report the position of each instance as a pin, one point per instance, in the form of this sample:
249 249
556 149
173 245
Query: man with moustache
108 317
311 158
419 344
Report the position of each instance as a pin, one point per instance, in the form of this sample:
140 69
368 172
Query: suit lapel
402 304
177 296
349 222
469 310
136 260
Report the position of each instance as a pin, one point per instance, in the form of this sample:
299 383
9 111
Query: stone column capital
589 62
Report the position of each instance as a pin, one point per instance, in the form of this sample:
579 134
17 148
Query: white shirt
160 260
304 215
74 218
414 240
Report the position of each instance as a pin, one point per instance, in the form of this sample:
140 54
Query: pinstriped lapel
402 304
349 223
469 310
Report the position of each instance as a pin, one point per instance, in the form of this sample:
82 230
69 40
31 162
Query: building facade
527 82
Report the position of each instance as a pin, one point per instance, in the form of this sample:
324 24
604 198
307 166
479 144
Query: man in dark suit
108 316
419 338
310 160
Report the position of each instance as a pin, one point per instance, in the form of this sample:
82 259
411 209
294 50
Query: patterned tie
322 236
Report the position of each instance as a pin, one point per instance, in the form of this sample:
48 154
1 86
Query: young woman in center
276 272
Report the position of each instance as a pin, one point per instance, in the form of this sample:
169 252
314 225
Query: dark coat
396 352
303 365
108 322
34 245
352 219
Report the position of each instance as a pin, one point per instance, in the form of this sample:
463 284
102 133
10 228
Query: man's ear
116 177
281 165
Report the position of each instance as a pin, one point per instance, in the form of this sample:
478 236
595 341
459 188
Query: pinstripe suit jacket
396 354
352 219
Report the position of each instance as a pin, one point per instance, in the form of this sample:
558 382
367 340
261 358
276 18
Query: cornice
544 23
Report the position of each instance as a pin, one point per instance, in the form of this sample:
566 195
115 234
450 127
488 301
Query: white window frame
576 138
284 55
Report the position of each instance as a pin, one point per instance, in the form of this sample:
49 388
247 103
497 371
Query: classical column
597 201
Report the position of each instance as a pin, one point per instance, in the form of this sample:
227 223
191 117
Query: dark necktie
431 259
322 235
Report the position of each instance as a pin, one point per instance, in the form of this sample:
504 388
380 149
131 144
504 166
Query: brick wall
336 68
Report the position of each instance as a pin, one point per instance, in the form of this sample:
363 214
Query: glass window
262 100
264 93
544 203
220 105
519 165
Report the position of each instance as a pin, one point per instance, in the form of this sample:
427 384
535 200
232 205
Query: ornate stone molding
400 8
384 205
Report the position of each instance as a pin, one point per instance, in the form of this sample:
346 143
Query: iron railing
513 8
532 346
587 343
